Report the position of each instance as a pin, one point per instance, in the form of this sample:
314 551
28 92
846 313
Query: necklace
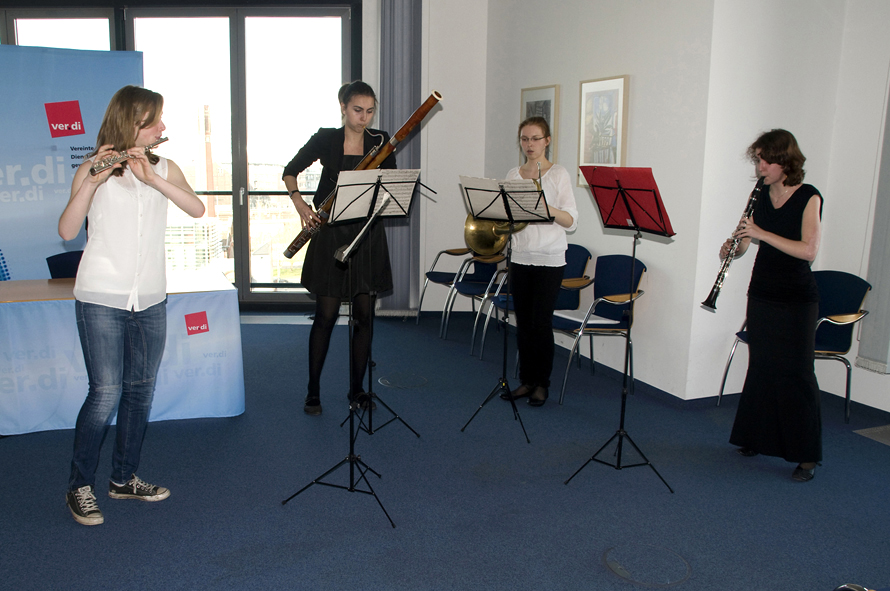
782 196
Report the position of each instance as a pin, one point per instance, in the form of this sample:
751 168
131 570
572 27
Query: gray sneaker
82 504
136 488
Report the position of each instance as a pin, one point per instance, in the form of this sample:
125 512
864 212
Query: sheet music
355 189
525 201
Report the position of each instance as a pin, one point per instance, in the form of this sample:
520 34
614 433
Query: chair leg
726 370
446 313
847 399
485 330
846 363
565 378
420 302
476 324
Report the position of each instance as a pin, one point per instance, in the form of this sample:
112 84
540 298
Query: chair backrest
577 259
839 293
64 265
481 272
613 276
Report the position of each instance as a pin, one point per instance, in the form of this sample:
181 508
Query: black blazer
327 145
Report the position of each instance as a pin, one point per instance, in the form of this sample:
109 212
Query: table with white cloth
43 379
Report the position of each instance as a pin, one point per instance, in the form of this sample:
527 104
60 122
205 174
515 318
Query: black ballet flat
520 392
803 474
361 400
312 406
538 397
747 452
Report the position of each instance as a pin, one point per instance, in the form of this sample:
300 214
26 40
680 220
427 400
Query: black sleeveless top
777 276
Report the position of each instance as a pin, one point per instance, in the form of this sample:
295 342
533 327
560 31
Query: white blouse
124 261
544 244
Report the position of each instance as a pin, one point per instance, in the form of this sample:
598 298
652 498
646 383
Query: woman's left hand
747 229
140 165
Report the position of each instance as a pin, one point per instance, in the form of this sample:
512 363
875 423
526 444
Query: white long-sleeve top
123 264
544 244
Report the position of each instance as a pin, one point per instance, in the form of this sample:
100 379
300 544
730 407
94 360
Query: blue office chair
841 296
608 315
64 265
574 280
445 278
475 284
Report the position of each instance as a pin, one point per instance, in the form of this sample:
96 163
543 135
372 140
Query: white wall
771 64
454 48
706 77
861 99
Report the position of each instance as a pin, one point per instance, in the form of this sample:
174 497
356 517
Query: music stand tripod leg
352 459
621 434
502 385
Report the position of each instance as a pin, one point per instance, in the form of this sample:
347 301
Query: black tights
327 310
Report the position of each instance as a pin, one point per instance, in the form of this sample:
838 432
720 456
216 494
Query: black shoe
361 401
539 396
803 474
82 504
747 452
312 405
138 489
520 392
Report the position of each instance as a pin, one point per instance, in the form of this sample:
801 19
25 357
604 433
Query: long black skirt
368 268
779 411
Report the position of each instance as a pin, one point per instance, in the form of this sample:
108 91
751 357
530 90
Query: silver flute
107 163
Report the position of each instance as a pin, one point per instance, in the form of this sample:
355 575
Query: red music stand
627 199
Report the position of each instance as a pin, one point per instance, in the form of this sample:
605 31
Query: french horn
487 237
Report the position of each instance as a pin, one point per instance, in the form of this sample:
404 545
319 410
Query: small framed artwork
542 101
603 123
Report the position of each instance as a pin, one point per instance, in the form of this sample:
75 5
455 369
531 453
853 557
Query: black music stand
627 199
359 196
505 201
356 195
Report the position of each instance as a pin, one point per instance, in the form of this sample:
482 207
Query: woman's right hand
724 250
308 218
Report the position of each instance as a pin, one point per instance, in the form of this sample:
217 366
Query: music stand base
369 427
502 386
621 435
355 462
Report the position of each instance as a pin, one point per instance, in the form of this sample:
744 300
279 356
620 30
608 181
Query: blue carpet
479 509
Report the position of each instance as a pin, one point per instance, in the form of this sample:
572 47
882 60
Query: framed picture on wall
603 123
542 101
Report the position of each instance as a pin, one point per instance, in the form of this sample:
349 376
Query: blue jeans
122 350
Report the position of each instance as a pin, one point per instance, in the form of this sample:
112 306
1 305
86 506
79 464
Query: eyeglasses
530 140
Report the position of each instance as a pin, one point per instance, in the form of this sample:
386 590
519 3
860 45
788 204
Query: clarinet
107 163
711 301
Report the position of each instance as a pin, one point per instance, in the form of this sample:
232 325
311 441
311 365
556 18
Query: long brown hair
130 109
779 146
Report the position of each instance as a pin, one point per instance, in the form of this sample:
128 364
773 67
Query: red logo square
64 118
196 323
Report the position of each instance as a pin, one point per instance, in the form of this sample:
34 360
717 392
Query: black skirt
368 267
779 409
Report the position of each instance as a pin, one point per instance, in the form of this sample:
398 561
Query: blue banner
53 101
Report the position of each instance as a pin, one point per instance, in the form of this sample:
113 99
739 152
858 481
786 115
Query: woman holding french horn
779 413
537 262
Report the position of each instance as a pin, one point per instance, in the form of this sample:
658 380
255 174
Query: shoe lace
138 483
86 500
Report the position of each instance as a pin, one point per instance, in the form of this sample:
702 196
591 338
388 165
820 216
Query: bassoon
372 159
711 301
